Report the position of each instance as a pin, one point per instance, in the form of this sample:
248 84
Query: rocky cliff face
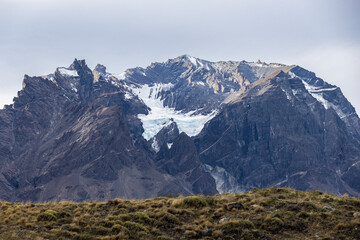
70 136
276 133
183 126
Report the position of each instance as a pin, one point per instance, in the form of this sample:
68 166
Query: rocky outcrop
181 160
166 135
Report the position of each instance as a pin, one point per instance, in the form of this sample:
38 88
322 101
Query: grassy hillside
273 213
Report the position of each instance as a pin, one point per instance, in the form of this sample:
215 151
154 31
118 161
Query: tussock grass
272 213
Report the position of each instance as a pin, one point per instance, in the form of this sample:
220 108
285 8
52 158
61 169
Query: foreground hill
273 213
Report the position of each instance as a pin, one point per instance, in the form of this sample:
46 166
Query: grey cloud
37 36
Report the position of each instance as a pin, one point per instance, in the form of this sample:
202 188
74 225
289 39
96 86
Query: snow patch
323 89
224 181
67 72
195 61
295 91
121 76
192 60
253 64
169 145
73 88
159 115
318 94
288 96
48 77
303 173
155 145
263 64
115 83
292 75
128 96
284 181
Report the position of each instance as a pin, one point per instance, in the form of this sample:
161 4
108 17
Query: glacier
160 116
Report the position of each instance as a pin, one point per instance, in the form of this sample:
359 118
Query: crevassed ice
67 72
159 116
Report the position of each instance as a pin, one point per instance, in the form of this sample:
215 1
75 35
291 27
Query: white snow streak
284 181
128 96
67 72
287 94
73 87
194 61
155 145
323 90
317 93
121 76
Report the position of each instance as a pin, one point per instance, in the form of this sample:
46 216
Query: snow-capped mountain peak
182 126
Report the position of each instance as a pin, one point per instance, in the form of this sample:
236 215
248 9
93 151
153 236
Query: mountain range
184 126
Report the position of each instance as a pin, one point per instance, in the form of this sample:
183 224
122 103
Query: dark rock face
182 161
72 138
334 98
79 134
199 85
166 136
276 133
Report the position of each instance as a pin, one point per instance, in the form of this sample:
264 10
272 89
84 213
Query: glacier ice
159 115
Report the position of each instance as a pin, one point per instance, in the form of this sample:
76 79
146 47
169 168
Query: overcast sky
36 36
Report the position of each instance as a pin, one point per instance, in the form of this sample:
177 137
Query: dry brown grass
272 213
